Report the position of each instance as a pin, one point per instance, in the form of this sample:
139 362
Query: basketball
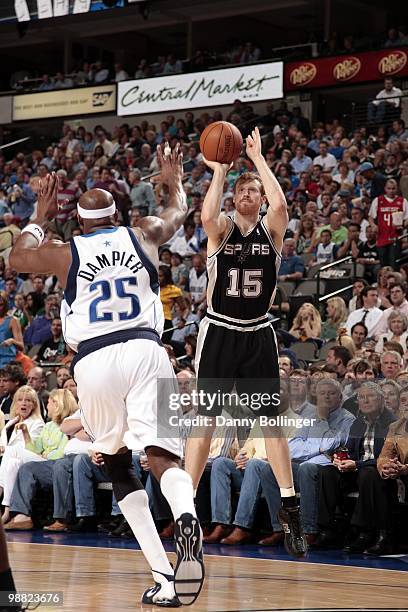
221 142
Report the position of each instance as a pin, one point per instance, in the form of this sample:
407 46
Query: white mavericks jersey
112 286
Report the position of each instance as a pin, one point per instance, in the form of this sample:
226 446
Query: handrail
333 293
172 329
333 264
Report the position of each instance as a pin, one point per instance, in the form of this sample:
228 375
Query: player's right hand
217 166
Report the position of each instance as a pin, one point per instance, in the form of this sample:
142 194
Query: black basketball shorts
246 362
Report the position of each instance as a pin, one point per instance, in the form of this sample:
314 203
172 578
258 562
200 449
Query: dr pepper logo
346 69
303 74
392 63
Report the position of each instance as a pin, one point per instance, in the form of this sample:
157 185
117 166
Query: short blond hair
66 404
33 397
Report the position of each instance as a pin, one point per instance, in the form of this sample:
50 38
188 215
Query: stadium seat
325 349
309 287
305 351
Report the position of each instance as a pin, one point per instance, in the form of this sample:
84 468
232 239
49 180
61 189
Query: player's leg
214 361
104 414
150 423
6 576
260 368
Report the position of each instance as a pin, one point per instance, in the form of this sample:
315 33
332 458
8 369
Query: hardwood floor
112 580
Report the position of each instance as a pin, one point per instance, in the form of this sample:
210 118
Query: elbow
14 261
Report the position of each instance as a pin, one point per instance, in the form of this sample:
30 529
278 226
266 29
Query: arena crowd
343 359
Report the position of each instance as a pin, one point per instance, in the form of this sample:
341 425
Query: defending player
112 316
236 343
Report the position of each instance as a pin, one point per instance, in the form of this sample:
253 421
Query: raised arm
277 216
160 229
214 222
28 254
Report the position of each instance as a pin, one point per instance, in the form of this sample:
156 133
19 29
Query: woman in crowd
25 409
305 234
183 321
11 338
48 446
391 391
383 286
307 324
169 294
179 271
336 318
101 160
190 345
398 325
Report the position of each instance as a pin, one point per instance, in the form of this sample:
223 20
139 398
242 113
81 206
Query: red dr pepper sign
356 68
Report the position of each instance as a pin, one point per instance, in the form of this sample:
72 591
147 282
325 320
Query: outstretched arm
277 216
214 222
160 229
28 255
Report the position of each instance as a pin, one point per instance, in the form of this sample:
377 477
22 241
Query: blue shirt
337 152
301 165
322 436
291 264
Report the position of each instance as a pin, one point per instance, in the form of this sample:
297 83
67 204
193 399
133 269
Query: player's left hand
254 145
47 207
170 164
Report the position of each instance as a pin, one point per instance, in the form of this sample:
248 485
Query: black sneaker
162 595
295 541
189 572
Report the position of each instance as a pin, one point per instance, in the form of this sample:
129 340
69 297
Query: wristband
36 231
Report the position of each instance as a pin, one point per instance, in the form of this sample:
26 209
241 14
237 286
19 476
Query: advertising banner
65 102
355 68
201 89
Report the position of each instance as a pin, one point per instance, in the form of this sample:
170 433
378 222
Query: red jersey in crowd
389 226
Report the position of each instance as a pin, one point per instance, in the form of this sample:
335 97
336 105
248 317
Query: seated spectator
98 73
179 271
359 333
36 380
326 251
338 231
169 293
25 410
304 235
301 162
336 318
369 314
62 82
182 320
387 101
358 472
307 323
197 282
292 267
399 304
120 73
250 474
361 371
37 461
40 329
62 375
339 356
391 391
368 254
398 325
351 245
187 243
141 194
325 159
299 398
172 66
53 349
11 338
12 378
391 364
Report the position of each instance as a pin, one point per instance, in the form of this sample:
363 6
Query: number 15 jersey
112 285
242 276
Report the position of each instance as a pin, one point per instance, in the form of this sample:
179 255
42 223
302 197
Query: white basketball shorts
118 393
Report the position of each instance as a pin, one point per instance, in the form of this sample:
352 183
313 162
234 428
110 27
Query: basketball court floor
101 574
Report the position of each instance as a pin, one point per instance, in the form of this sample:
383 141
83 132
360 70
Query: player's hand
254 145
214 166
170 164
47 207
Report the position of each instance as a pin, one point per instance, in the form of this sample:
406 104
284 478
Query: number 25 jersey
242 276
112 285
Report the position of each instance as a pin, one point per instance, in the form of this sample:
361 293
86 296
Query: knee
122 473
81 463
256 465
222 465
308 470
25 471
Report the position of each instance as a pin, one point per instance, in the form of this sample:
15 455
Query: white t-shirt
328 162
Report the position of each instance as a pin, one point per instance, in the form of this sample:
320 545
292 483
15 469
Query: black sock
290 502
7 581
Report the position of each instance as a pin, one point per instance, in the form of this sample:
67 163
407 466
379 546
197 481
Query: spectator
11 338
120 73
98 73
40 329
47 447
391 391
292 267
12 378
369 314
187 243
399 133
142 194
391 364
62 82
388 100
338 231
172 66
326 251
36 380
169 293
339 356
301 162
368 253
336 318
399 305
325 159
68 195
54 349
307 323
197 284
103 142
359 333
21 200
374 182
62 375
25 410
351 245
357 472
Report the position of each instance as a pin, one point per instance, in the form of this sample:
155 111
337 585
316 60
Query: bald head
94 199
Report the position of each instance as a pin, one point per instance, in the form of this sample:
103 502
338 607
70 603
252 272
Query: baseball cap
366 166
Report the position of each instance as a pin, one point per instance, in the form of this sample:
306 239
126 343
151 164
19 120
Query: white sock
135 509
289 492
177 488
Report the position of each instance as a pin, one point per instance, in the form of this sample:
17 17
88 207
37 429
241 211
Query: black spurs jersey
242 276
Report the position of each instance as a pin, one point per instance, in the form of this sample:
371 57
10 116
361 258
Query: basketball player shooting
236 344
113 318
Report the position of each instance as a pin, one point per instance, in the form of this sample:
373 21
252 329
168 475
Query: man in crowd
369 314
